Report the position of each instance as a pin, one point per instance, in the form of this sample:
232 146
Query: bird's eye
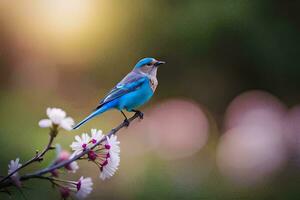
149 64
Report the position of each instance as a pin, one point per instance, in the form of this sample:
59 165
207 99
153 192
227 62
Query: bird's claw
140 114
126 122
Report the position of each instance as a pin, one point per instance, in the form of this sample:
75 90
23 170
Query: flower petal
45 123
96 135
74 167
67 123
56 115
85 187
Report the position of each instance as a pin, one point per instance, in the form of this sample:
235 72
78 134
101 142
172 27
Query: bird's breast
153 83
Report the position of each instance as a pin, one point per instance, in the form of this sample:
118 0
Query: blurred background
225 119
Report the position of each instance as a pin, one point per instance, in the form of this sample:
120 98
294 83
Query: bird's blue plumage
144 61
130 93
130 83
136 98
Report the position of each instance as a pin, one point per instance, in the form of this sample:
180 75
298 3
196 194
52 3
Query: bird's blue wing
130 83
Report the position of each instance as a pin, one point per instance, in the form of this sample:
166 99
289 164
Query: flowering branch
86 151
102 150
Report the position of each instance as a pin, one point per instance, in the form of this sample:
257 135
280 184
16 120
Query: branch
37 157
49 169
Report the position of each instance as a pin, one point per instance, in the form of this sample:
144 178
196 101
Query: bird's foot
126 122
140 114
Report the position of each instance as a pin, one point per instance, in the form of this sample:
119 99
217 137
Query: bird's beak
159 63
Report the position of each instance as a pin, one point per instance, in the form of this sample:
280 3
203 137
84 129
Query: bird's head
148 65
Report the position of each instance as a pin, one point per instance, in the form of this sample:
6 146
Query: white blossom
14 165
80 144
80 189
57 117
114 144
106 155
110 166
96 136
109 169
84 187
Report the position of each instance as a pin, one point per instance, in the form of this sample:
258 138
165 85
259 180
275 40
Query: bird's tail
99 111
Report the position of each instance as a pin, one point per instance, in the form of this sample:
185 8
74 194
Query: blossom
110 166
85 141
63 155
81 188
96 136
80 144
73 167
14 165
113 143
84 187
57 117
105 155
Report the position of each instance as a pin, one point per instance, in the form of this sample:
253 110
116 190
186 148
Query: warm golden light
72 33
66 16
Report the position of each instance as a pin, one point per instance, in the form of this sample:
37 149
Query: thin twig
39 174
37 157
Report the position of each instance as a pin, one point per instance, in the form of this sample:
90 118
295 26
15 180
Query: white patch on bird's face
146 69
150 71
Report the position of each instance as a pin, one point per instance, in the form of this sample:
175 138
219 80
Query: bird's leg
141 115
126 121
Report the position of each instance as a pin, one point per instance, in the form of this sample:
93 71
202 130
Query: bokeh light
252 147
177 128
255 107
250 155
174 129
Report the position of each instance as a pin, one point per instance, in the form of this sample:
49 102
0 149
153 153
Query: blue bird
133 91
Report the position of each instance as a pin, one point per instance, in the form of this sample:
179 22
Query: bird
133 91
